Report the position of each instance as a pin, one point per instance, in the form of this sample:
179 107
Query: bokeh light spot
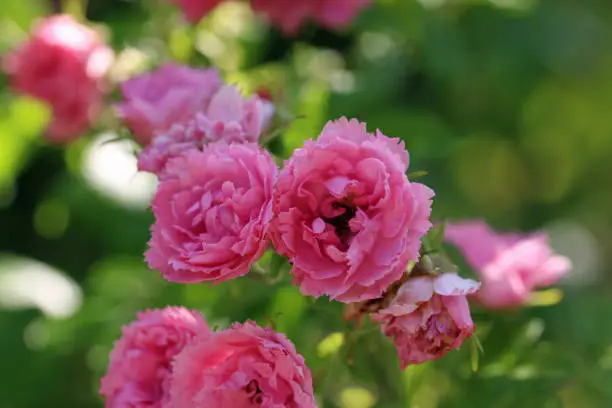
51 218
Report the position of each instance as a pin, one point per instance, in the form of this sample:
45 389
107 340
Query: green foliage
505 108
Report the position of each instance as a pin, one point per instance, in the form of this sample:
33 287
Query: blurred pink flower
244 366
140 369
511 266
229 118
194 10
173 94
346 215
212 211
428 317
334 14
62 64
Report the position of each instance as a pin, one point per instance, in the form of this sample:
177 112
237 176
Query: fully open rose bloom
140 369
194 10
329 13
244 366
212 212
511 266
428 317
346 215
229 117
155 101
62 64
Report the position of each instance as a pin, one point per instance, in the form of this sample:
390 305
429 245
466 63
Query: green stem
56 6
76 8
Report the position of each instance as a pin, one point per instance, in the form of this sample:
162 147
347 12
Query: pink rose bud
173 94
511 266
229 118
62 64
346 215
194 10
334 14
140 369
244 366
212 212
428 317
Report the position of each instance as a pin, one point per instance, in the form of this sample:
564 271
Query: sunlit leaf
549 297
356 397
331 344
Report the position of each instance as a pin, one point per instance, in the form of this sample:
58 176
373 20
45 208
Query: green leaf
436 235
330 345
356 397
417 174
549 297
474 354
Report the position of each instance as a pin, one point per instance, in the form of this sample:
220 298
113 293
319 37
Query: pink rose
173 94
335 14
194 10
140 369
212 211
62 64
346 215
228 118
511 266
244 366
428 317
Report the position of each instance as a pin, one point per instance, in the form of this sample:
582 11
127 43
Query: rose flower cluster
342 211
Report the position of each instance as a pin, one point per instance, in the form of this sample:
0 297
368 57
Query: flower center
441 331
254 392
341 222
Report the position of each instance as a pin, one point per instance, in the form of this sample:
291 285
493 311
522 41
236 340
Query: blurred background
506 103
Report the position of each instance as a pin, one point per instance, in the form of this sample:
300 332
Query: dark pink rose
62 64
173 94
335 14
346 215
140 369
428 317
194 10
212 213
229 118
244 366
511 266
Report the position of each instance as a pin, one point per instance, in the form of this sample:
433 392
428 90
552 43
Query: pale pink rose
244 366
229 118
212 212
511 266
334 14
62 64
428 317
346 215
139 373
173 94
194 10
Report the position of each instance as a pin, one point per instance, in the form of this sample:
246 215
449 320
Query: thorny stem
352 340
